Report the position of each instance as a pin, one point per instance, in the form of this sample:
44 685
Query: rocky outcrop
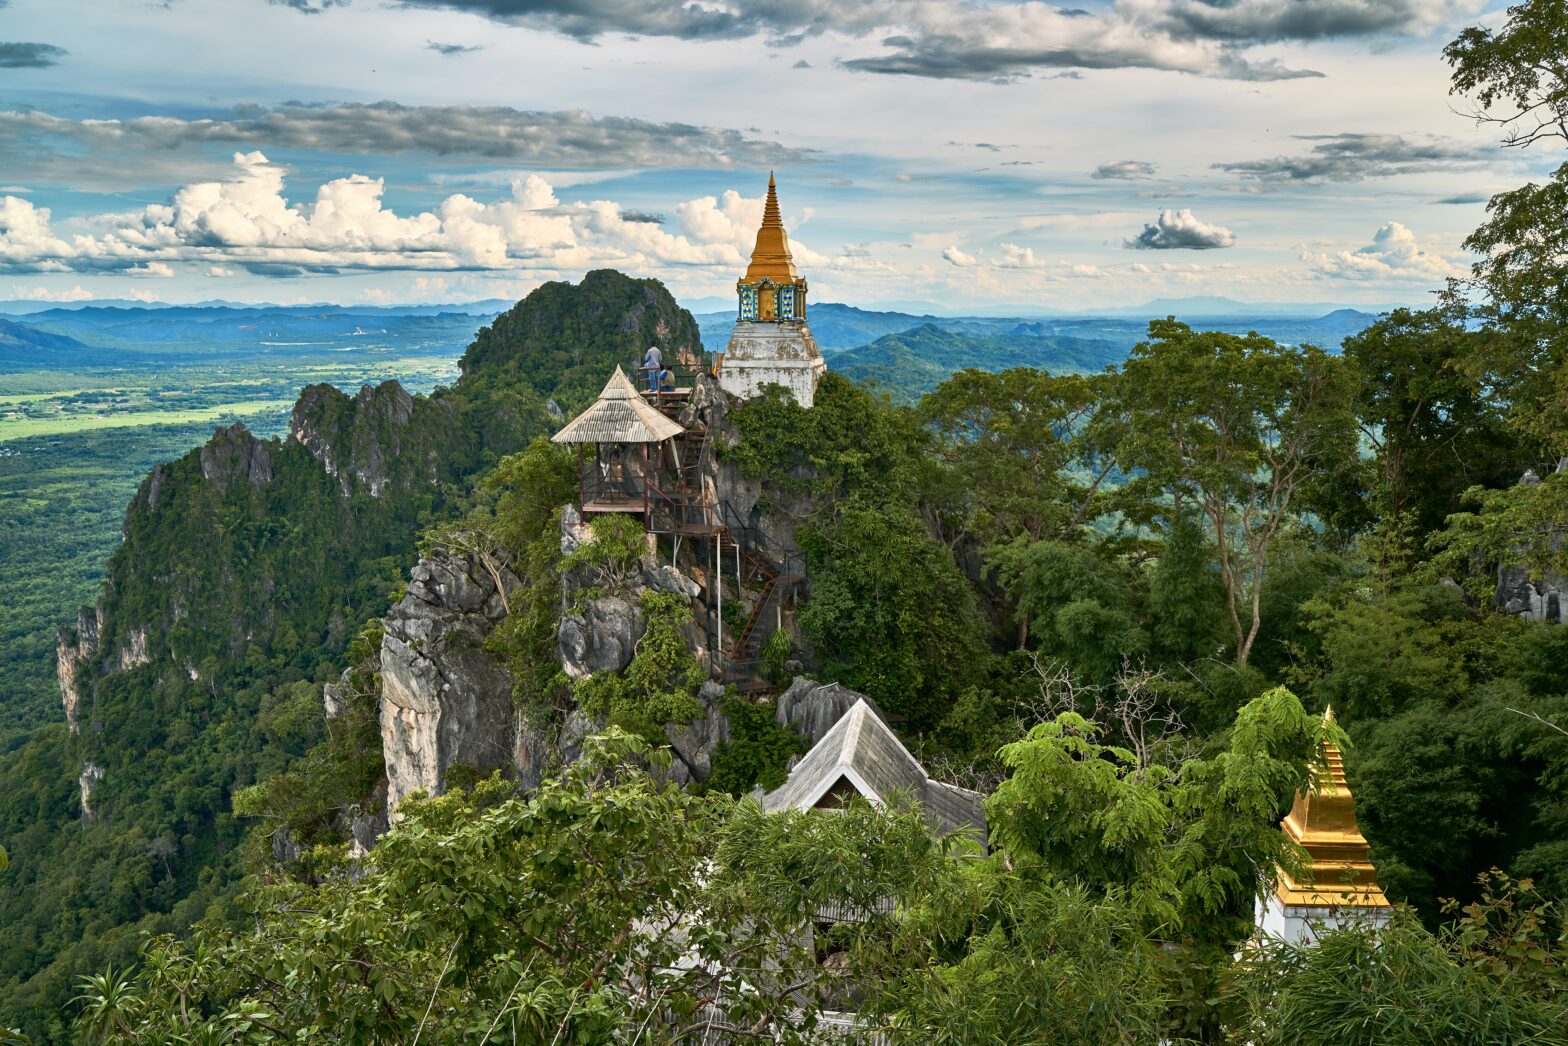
444 700
371 439
134 651
233 455
76 652
811 708
1540 598
599 635
693 744
89 777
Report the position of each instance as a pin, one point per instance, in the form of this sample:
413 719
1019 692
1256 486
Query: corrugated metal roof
863 750
619 415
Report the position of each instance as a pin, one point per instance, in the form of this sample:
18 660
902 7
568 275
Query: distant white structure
1341 888
771 344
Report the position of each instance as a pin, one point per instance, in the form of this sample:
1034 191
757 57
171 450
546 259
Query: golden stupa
1323 822
772 289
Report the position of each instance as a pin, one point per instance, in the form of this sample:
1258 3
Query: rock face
444 699
693 744
368 439
91 774
233 455
1542 599
811 708
76 652
1538 599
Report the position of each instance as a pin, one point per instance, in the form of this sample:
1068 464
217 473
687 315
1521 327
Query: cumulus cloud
1352 157
1016 257
1124 169
37 144
1181 230
955 257
246 221
1393 253
29 55
451 50
966 39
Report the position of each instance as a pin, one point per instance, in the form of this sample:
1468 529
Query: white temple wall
1298 923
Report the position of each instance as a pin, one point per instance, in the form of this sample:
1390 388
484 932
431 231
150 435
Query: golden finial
771 257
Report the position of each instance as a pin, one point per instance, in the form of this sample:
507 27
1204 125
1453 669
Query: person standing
653 363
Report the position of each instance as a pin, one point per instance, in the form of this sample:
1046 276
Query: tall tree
1233 426
1426 413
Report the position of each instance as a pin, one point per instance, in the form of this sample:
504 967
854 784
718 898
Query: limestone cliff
444 699
76 656
379 438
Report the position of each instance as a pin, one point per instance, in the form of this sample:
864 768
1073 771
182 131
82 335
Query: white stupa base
761 354
1301 924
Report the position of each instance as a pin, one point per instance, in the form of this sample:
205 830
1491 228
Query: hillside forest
1116 603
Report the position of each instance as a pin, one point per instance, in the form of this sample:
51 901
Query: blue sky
975 154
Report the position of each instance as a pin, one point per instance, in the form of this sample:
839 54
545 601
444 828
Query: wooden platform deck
614 504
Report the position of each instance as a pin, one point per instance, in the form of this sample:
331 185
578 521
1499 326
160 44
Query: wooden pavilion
627 436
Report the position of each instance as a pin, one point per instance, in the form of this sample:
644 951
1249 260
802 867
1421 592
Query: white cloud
1181 230
1393 253
247 221
1016 257
956 257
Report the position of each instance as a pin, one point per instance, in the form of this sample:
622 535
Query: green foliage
1234 425
756 752
527 920
1496 975
1426 414
1013 437
614 555
987 954
1185 595
562 340
1188 841
661 683
530 487
889 614
1077 609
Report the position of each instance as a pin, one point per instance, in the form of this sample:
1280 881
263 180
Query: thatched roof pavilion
619 415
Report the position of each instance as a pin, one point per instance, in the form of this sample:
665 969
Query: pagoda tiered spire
771 259
1323 822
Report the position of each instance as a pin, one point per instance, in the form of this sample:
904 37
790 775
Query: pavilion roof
863 751
619 415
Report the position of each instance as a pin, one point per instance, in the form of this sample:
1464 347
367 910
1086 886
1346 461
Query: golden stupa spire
1323 822
771 257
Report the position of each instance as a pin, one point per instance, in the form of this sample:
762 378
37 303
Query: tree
603 905
1189 841
1012 436
1233 426
1518 76
1496 974
1426 413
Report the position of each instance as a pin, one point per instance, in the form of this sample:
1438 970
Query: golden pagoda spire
771 257
1323 822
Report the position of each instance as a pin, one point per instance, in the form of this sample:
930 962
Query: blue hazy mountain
910 363
25 347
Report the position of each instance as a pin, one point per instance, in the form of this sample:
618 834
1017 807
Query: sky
970 154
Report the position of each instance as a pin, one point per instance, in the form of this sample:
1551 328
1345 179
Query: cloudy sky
970 153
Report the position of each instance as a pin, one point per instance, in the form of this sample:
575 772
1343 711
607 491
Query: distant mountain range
24 347
911 363
486 307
